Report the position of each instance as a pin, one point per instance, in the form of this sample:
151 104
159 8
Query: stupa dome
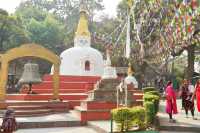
82 60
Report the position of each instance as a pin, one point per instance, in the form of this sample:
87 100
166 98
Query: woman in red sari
171 107
197 92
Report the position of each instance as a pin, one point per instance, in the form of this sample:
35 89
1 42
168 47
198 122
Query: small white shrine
131 79
109 71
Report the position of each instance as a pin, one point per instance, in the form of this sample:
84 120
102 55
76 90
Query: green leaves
52 23
126 118
12 33
49 32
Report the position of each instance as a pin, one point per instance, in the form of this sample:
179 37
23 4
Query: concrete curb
96 128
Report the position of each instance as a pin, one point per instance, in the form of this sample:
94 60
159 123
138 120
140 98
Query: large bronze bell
30 75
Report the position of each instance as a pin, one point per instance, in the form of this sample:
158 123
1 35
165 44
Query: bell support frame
28 50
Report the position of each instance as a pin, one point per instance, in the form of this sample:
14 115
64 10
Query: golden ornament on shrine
82 29
130 71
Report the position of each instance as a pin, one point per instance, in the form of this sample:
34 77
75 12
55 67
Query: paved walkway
72 130
58 130
182 123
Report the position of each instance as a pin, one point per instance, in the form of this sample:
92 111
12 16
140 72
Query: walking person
187 91
171 107
182 95
197 93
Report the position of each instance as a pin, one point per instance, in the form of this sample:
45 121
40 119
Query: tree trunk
1 45
190 60
141 76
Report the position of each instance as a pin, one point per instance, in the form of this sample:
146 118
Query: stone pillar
56 82
3 80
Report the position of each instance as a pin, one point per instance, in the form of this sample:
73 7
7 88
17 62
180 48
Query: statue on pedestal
109 71
122 94
130 79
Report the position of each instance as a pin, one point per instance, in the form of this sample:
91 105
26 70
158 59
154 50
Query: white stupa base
109 73
131 80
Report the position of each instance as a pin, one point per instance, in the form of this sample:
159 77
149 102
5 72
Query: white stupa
131 79
109 71
82 60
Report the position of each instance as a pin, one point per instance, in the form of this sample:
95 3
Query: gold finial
82 28
130 3
130 71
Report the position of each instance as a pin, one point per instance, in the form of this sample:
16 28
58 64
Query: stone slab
54 120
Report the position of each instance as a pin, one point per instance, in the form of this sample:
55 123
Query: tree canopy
12 32
161 29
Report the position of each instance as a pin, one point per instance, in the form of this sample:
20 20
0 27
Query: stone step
49 121
34 112
28 115
27 107
64 85
35 108
43 91
32 102
42 97
91 79
50 104
136 91
137 96
92 115
94 105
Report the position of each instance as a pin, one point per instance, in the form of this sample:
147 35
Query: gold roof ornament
130 71
82 28
130 3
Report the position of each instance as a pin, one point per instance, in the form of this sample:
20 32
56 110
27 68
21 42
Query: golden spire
82 29
130 71
130 3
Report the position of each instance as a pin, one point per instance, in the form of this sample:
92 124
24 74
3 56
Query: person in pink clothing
197 94
171 107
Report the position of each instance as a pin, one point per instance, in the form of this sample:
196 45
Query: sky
110 6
